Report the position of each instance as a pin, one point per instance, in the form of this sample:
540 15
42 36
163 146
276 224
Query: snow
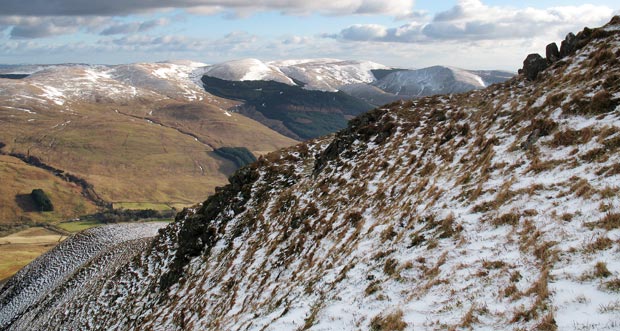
328 74
247 69
62 84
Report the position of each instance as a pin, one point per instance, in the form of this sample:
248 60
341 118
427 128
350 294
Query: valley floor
19 249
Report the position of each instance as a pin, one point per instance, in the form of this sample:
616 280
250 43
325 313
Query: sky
471 34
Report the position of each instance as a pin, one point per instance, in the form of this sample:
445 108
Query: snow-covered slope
328 74
430 81
110 246
60 84
491 210
349 75
247 69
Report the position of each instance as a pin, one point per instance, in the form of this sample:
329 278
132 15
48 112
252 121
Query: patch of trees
41 200
240 156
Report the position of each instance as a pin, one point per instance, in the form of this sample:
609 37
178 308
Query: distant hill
117 127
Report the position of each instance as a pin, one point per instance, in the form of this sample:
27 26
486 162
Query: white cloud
38 27
472 20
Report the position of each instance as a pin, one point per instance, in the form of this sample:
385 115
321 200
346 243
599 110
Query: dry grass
612 285
547 323
511 218
391 322
19 179
600 270
609 222
601 243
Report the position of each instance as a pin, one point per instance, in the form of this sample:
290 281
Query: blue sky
473 34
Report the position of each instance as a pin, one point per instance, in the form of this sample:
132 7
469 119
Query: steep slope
290 110
62 271
117 127
496 209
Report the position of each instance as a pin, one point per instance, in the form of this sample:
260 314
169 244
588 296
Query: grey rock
568 45
552 53
533 64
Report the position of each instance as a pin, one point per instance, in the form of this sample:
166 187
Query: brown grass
601 243
547 323
612 285
600 270
391 322
609 222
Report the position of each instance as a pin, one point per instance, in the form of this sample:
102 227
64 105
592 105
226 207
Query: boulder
568 45
533 64
552 53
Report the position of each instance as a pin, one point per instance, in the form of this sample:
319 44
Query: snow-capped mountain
331 75
112 125
495 209
430 81
59 84
328 74
247 69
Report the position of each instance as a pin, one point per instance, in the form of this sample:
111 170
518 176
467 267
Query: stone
533 64
552 53
568 45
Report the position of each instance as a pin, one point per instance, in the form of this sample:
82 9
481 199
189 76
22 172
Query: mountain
111 129
247 69
308 98
328 74
495 209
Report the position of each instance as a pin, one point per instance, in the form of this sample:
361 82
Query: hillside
309 98
495 209
118 127
17 207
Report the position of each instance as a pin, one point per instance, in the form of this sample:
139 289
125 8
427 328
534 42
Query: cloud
39 27
133 27
472 20
125 7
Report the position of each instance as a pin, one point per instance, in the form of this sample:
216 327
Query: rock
568 45
533 64
552 53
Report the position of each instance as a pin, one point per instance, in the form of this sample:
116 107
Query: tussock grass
390 322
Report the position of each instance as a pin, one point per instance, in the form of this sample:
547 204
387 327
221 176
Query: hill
18 210
117 127
309 98
495 209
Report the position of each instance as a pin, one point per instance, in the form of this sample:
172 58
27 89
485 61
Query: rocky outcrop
533 64
568 45
552 53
